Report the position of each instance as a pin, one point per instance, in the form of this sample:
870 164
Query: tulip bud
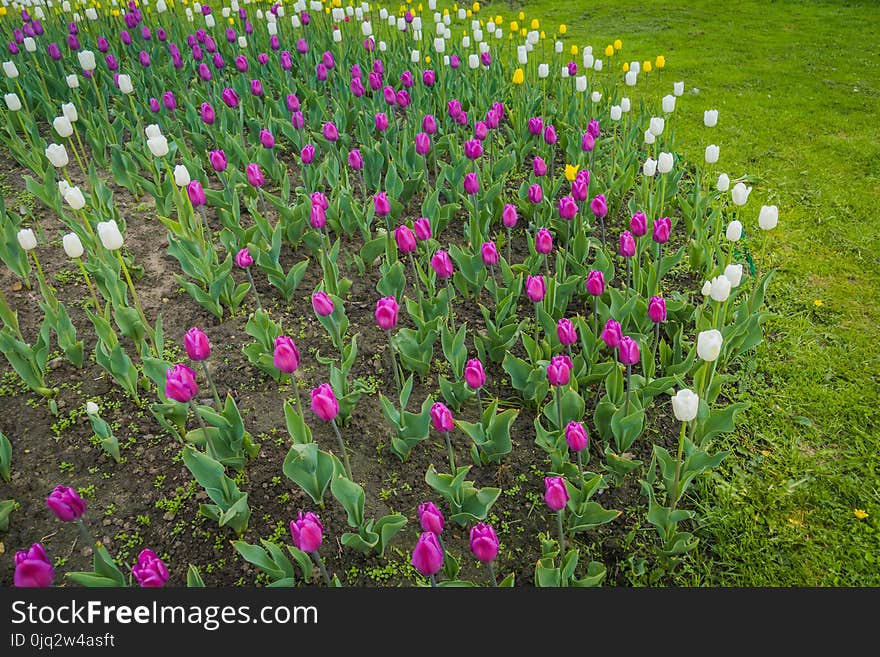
628 351
559 370
57 155
638 224
720 288
595 283
710 118
664 162
441 263
124 83
72 81
599 206
668 103
324 403
62 126
13 102
422 228
72 245
709 344
733 273
712 152
430 518
536 288
555 493
723 183
307 532
150 571
576 436
484 542
627 247
685 404
254 175
110 236
656 126
33 569
406 241
10 69
649 168
734 230
740 193
768 217
181 176
657 309
386 313
489 253
566 332
474 374
158 146
427 557
678 88
662 228
66 504
509 216
611 334
73 196
26 239
322 304
197 345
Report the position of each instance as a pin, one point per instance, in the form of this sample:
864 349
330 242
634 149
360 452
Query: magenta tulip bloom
473 149
386 313
317 217
539 166
389 95
429 77
535 194
559 370
430 518
254 174
599 206
572 69
330 131
407 79
355 159
579 189
628 351
481 130
662 228
536 289
381 205
33 569
474 374
297 120
441 418
256 88
596 283
543 241
657 309
429 124
588 142
566 332
638 225
307 532
427 557
243 258
217 160
66 504
611 335
509 216
441 263
318 198
550 135
230 98
267 139
324 403
489 253
197 345
568 209
471 183
576 436
196 194
322 304
307 154
286 356
422 228
484 542
536 125
406 241
180 384
207 114
403 99
423 143
555 493
381 121
627 244
150 571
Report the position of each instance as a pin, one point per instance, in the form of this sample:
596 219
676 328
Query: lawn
796 85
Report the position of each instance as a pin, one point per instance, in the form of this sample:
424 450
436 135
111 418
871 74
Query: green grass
797 86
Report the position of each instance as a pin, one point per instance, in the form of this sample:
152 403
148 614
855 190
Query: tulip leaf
6 509
351 496
311 469
194 577
296 426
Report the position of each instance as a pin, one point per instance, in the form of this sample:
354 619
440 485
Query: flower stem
628 387
559 406
253 287
90 286
492 574
211 383
677 476
320 563
342 449
393 363
561 530
449 451
137 303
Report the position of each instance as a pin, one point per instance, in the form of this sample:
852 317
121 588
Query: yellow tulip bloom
535 24
646 66
231 20
574 50
542 34
519 76
2 11
469 13
522 16
571 171
476 6
618 44
660 62
563 28
626 67
523 32
514 26
499 20
609 51
427 59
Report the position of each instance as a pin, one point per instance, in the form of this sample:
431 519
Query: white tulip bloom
543 70
595 96
656 126
649 168
709 344
636 67
734 231
664 162
473 60
26 239
74 198
720 288
86 60
72 81
10 69
13 102
710 118
242 41
152 131
158 146
522 55
589 60
57 155
649 137
685 404
597 66
125 85
740 193
723 183
110 236
558 47
414 56
631 78
440 44
92 408
62 126
769 217
69 110
181 176
707 287
625 104
616 112
72 245
580 83
668 104
29 44
734 274
712 153
678 88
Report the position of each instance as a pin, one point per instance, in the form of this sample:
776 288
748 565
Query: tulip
196 194
217 160
559 371
535 194
406 241
627 245
595 283
66 504
355 159
471 183
628 351
536 288
381 205
181 176
543 241
423 143
13 103
509 216
712 153
768 218
430 518
723 183
72 245
734 230
662 228
150 571
109 234
33 569
550 135
720 288
733 273
307 532
657 309
612 334
567 208
330 131
386 313
668 104
286 354
566 332
599 206
474 374
555 493
649 137
740 193
664 162
57 155
267 140
230 97
254 174
427 556
441 263
539 167
576 437
180 384
709 345
536 125
324 403
441 418
656 125
26 239
381 122
484 544
158 146
588 142
685 404
710 118
197 345
322 304
678 88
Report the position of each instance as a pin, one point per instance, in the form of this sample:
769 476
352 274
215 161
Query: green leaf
194 577
311 469
5 456
351 496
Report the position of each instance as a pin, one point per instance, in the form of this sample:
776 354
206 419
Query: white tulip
734 230
664 162
558 47
110 236
367 29
337 35
709 344
158 146
69 110
616 112
678 88
26 239
720 288
152 131
272 28
635 66
63 186
710 118
769 217
462 14
473 60
181 176
72 81
685 404
417 25
707 287
712 153
625 104
13 102
649 137
595 96
162 7
543 70
57 155
62 126
631 78
294 20
649 168
92 408
383 14
91 13
656 126
414 56
86 60
734 274
668 103
383 46
589 60
723 183
445 60
10 69
29 44
580 83
439 43
125 85
75 198
597 66
72 246
740 193
242 41
522 55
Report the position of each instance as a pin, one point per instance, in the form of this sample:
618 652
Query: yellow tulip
476 6
114 12
523 32
420 7
563 28
446 11
469 13
609 51
660 62
522 16
514 26
427 59
574 50
2 11
499 20
455 7
542 34
571 171
626 67
535 24
646 66
326 10
519 76
618 44
231 20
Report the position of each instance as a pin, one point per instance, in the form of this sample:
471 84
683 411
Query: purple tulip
218 160
197 345
150 571
453 108
256 88
539 166
322 304
576 436
307 532
318 198
662 228
638 225
154 105
355 159
66 504
327 60
657 309
230 97
588 142
441 263
422 229
485 58
484 542
267 140
254 174
378 67
169 101
386 313
555 493
406 241
357 87
543 241
579 189
381 121
381 205
473 149
374 80
389 95
208 115
403 99
568 209
599 206
54 51
536 125
33 569
285 59
596 283
243 258
474 374
627 244
536 194
429 77
144 58
471 183
427 556
286 355
489 253
509 216
180 383
196 194
536 288
423 143
429 124
204 72
297 120
566 332
302 46
550 135
593 129
324 403
430 518
455 61
628 351
317 217
572 69
611 335
441 418
559 370
481 130
330 132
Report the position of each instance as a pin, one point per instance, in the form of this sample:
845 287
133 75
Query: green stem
90 286
559 526
211 383
628 388
137 303
450 452
342 449
492 574
253 287
320 563
559 407
393 363
677 476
